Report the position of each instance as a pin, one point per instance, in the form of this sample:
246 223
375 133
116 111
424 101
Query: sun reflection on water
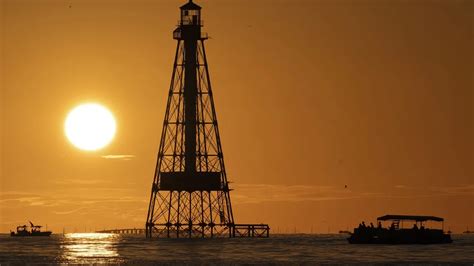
84 247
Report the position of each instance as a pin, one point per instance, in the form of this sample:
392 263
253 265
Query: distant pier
128 231
238 230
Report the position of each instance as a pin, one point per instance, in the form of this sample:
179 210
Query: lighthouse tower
190 193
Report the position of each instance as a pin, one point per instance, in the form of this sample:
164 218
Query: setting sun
90 126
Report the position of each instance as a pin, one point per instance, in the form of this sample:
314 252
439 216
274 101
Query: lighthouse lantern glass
190 17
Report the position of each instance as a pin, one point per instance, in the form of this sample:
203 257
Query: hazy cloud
125 157
400 186
69 211
258 193
455 190
78 181
12 200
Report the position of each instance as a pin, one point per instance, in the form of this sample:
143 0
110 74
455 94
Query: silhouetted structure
124 231
190 193
397 235
468 231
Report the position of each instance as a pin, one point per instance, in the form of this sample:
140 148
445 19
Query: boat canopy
417 218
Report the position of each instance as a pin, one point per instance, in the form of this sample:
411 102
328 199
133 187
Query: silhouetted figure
415 227
379 225
422 227
363 224
392 226
371 225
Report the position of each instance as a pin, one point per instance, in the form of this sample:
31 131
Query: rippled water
280 249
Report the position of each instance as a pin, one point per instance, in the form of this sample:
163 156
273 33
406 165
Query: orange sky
311 95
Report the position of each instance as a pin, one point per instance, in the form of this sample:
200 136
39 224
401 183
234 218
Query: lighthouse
190 195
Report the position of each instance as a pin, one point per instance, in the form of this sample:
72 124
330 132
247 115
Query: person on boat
379 225
392 226
363 224
371 225
415 227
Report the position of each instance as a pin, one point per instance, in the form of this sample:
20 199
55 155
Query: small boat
468 231
397 235
22 230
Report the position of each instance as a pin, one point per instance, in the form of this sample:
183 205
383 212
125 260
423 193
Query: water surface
89 248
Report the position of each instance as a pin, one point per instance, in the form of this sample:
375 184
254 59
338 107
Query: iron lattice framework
190 193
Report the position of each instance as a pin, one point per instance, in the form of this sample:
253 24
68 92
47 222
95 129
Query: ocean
92 248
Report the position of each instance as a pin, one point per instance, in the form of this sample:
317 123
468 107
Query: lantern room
190 14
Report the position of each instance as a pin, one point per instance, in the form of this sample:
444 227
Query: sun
90 126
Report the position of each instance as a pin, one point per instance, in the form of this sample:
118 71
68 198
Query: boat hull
21 234
402 236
